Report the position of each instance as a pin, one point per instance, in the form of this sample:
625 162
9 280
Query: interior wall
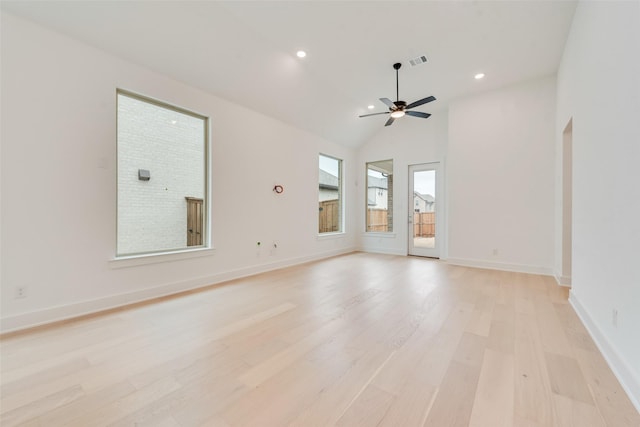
501 178
408 141
599 89
566 174
59 183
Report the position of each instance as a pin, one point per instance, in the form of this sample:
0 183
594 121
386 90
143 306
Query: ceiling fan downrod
396 67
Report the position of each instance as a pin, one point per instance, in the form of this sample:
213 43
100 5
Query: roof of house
374 182
327 180
426 197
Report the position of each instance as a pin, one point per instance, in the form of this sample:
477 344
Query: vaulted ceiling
245 51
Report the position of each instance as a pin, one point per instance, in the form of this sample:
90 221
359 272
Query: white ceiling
245 51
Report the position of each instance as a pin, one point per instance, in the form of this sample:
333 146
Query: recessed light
301 53
371 107
479 76
173 122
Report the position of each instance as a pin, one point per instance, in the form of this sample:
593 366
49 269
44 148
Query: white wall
59 183
500 178
599 88
409 141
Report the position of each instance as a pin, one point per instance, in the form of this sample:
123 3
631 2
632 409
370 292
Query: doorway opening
425 207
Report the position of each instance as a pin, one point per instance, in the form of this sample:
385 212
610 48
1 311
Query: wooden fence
329 220
377 220
424 224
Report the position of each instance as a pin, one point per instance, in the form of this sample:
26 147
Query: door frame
435 252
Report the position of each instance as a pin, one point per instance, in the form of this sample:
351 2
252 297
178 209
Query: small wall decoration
278 189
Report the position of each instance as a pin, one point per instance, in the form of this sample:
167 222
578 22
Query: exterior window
380 196
162 177
329 195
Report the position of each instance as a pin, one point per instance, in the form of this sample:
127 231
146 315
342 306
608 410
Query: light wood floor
356 340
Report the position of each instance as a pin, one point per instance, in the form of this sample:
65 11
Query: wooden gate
194 221
329 216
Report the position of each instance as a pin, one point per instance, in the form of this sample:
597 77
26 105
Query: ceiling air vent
417 61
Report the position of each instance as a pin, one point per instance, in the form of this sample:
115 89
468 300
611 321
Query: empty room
320 213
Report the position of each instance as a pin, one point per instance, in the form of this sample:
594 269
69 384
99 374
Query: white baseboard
518 268
563 280
372 250
625 375
70 311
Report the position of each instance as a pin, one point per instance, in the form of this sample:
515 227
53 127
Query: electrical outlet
614 317
21 292
495 252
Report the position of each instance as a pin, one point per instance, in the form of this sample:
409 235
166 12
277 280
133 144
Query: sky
329 164
424 182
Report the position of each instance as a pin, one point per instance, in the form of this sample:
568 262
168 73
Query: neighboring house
328 186
377 193
423 202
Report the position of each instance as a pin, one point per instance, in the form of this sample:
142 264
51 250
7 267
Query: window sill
136 260
327 236
390 235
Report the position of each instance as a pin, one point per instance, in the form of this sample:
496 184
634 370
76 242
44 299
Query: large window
162 177
329 195
380 196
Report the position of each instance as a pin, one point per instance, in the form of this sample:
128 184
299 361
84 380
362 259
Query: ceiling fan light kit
399 108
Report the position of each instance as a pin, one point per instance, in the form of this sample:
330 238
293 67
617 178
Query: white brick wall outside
152 215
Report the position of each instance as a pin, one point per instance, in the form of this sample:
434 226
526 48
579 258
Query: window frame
163 255
341 210
366 199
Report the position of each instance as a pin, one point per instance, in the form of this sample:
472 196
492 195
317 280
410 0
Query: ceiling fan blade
417 114
374 114
389 103
390 121
421 101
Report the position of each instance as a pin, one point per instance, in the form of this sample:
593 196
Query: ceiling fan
399 108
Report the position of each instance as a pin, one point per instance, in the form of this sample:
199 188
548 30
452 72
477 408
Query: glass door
425 201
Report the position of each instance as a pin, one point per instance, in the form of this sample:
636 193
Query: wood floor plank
454 402
615 408
533 395
204 392
86 404
33 410
566 378
334 399
120 408
368 409
280 399
359 339
501 337
412 404
493 403
552 335
402 365
438 353
573 413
